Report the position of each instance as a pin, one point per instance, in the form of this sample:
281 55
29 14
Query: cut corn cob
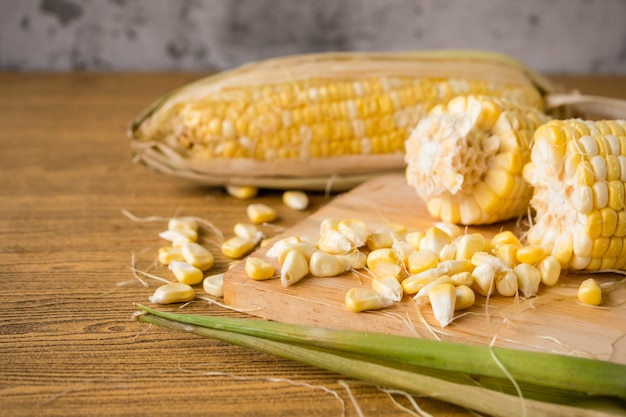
296 122
578 171
465 159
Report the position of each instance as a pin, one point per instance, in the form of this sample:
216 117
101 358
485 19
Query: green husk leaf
559 375
465 395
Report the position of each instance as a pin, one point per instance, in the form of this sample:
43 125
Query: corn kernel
508 253
363 299
248 231
335 242
468 245
305 248
590 292
168 254
197 256
530 254
294 268
379 240
323 264
416 282
464 297
355 259
186 273
414 238
296 200
280 245
214 285
182 223
421 260
237 247
442 299
462 278
505 237
172 293
258 269
242 192
355 230
528 279
507 284
388 286
423 292
261 213
550 270
381 256
484 275
179 236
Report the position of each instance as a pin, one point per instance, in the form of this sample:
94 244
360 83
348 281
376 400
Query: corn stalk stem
564 374
473 397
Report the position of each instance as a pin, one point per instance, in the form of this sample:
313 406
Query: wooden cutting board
553 321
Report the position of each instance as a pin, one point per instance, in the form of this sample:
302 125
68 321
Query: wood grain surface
68 343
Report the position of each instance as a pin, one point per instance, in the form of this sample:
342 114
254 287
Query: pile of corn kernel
190 262
443 266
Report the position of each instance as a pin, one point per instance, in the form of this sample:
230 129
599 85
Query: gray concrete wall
552 36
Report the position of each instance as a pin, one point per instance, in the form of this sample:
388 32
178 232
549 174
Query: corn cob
465 159
304 121
578 171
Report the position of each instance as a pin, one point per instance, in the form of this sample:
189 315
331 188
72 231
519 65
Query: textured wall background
553 36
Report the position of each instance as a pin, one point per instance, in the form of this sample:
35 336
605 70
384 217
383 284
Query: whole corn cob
465 159
304 121
578 171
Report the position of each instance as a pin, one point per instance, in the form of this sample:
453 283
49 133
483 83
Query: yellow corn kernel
530 254
507 284
455 266
498 265
259 269
414 238
448 252
590 292
388 286
294 268
379 240
442 299
355 230
261 213
328 224
242 192
383 256
508 253
402 250
528 279
186 273
434 240
550 270
323 264
305 248
364 299
178 237
279 246
423 292
413 283
197 255
214 285
421 260
334 242
182 223
296 200
464 297
483 275
168 254
355 259
237 247
505 237
462 278
450 229
248 231
172 293
468 245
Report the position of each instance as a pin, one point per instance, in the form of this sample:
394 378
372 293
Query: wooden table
68 343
